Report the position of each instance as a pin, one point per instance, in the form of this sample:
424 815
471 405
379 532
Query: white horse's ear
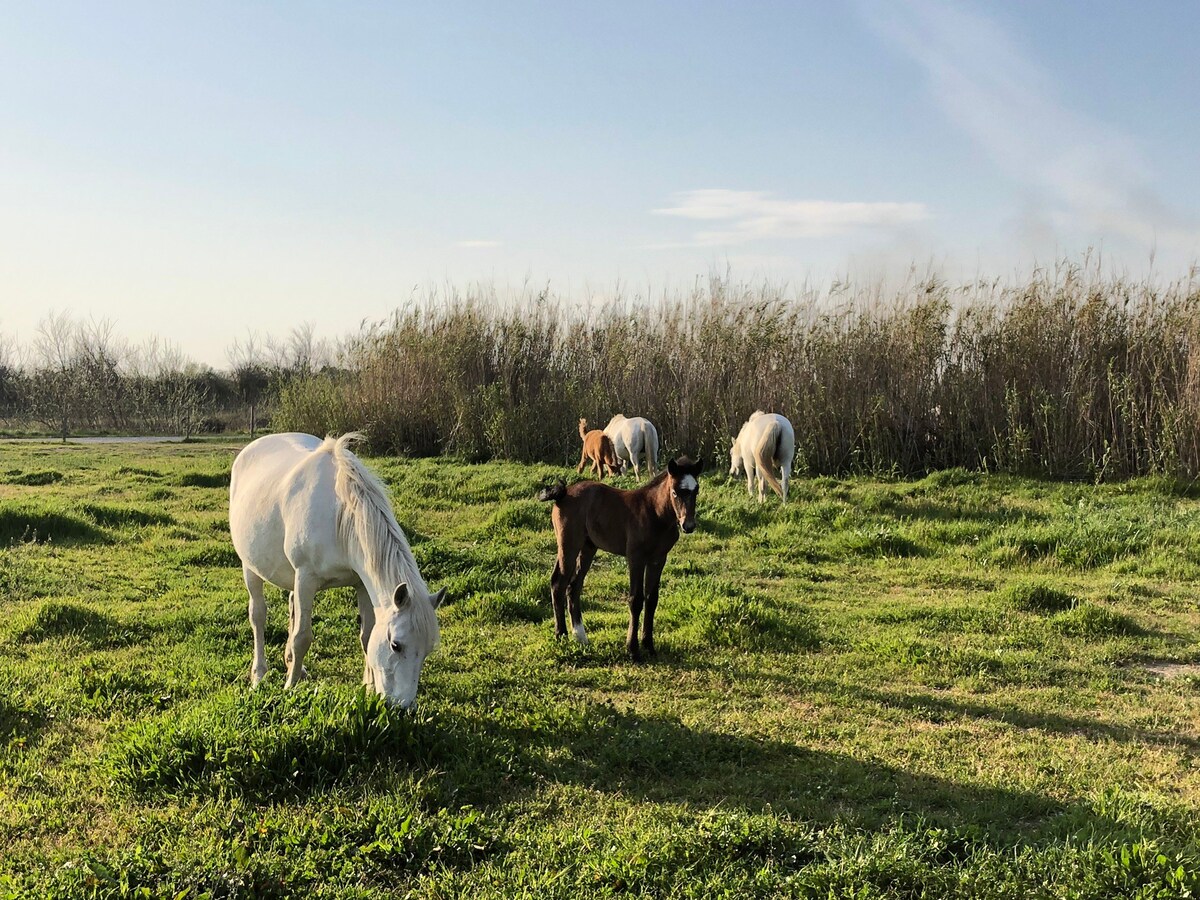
437 598
400 597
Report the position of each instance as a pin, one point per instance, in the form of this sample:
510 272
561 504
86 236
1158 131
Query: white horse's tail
766 453
651 434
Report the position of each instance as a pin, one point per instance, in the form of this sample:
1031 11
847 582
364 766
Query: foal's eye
397 647
673 494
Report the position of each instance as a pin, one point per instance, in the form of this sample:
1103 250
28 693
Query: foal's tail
554 492
766 455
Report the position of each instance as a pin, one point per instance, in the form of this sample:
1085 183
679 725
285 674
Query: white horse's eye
397 647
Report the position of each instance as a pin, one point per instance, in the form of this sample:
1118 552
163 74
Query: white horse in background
634 439
305 514
766 442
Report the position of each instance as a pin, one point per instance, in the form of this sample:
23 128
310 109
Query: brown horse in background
642 525
598 447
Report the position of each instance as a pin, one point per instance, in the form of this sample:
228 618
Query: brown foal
598 447
642 525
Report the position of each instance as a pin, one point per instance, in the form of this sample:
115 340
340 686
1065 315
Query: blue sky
200 171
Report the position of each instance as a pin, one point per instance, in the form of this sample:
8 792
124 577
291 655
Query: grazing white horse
765 443
634 439
305 514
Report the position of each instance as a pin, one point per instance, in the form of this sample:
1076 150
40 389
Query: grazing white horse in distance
634 439
305 514
765 443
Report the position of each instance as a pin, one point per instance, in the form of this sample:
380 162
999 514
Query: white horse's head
403 636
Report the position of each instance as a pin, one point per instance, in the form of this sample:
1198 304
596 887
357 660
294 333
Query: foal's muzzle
688 527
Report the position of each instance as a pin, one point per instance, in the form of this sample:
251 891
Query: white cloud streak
477 245
747 216
1082 176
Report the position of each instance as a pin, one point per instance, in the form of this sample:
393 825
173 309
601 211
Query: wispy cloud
746 216
479 244
1081 176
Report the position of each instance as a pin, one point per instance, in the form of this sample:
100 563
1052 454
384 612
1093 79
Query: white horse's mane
365 517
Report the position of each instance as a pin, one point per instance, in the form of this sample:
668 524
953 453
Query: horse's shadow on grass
662 760
271 746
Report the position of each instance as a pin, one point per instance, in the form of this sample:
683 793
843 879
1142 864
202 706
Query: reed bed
1067 373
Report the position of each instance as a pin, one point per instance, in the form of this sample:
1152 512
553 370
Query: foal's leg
258 624
366 622
653 577
637 597
560 580
301 629
586 555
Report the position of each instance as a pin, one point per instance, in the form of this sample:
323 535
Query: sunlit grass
885 688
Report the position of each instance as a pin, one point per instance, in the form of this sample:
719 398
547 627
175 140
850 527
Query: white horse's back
263 524
634 439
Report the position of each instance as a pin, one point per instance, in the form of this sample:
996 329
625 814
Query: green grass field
965 685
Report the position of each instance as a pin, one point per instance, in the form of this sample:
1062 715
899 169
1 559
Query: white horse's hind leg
258 625
787 474
366 622
300 633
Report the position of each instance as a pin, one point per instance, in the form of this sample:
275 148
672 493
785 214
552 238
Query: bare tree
12 384
301 353
57 379
102 354
251 373
168 390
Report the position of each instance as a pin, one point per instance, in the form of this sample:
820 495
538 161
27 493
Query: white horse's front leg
258 625
366 623
750 480
300 630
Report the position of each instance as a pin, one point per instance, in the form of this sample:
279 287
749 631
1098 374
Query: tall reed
1069 373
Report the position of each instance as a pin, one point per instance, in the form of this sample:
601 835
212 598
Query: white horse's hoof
580 635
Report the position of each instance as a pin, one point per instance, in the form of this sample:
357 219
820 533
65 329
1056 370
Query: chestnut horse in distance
597 447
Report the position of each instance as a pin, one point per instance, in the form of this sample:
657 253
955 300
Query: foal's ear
401 598
673 468
438 598
698 467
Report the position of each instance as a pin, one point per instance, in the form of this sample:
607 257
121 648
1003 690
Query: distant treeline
1069 373
80 377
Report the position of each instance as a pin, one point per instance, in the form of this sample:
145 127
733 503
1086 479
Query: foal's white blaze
580 634
688 483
